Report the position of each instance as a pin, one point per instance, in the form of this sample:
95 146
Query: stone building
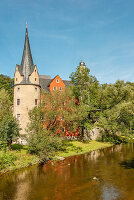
28 85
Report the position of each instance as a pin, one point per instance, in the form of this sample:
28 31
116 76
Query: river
106 174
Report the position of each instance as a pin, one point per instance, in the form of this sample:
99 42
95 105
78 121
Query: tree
7 83
86 89
61 111
41 142
9 128
113 94
117 109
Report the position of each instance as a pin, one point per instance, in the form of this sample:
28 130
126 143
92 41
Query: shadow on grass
19 147
68 146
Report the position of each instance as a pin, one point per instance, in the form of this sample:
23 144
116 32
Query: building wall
56 84
17 77
34 77
27 95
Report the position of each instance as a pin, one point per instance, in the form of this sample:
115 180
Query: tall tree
117 108
9 128
86 89
7 83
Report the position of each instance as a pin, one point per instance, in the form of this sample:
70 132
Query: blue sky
64 32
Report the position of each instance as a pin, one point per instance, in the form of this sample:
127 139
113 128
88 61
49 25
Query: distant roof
45 76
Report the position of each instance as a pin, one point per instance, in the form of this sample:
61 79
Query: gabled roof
45 82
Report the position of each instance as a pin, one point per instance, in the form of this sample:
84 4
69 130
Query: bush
44 145
116 139
7 159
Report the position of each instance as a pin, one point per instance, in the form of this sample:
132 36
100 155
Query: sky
63 33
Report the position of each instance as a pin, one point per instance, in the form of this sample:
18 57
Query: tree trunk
82 133
9 142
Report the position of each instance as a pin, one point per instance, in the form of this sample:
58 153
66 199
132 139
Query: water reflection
128 164
98 175
110 193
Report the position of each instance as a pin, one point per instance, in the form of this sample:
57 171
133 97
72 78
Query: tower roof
27 65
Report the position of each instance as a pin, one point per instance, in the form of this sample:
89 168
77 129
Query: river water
106 174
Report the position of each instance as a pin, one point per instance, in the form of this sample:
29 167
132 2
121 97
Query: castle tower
26 86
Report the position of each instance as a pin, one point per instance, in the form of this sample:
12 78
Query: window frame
36 102
55 88
18 102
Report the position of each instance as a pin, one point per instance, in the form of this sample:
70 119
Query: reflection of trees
73 178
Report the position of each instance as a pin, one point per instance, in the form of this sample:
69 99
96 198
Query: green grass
22 158
78 147
19 156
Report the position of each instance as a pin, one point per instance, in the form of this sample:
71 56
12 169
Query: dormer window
57 80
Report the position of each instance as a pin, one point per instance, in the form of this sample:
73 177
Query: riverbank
77 147
20 158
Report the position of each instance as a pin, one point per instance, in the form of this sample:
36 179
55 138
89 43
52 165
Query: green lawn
77 147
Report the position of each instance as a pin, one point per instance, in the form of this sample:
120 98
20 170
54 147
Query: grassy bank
19 156
77 147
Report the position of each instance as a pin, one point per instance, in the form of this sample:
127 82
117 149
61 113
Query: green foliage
44 145
7 159
9 128
40 141
117 109
7 83
85 86
86 89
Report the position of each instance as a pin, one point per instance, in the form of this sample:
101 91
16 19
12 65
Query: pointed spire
27 61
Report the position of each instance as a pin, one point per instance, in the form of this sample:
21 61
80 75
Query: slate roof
45 82
27 66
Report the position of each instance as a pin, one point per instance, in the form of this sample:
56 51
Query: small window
35 89
18 89
54 88
36 102
18 101
57 80
60 88
35 79
35 70
16 79
18 117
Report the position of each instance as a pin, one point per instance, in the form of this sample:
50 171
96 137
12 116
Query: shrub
44 145
7 159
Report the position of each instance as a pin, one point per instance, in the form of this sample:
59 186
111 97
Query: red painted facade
57 84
